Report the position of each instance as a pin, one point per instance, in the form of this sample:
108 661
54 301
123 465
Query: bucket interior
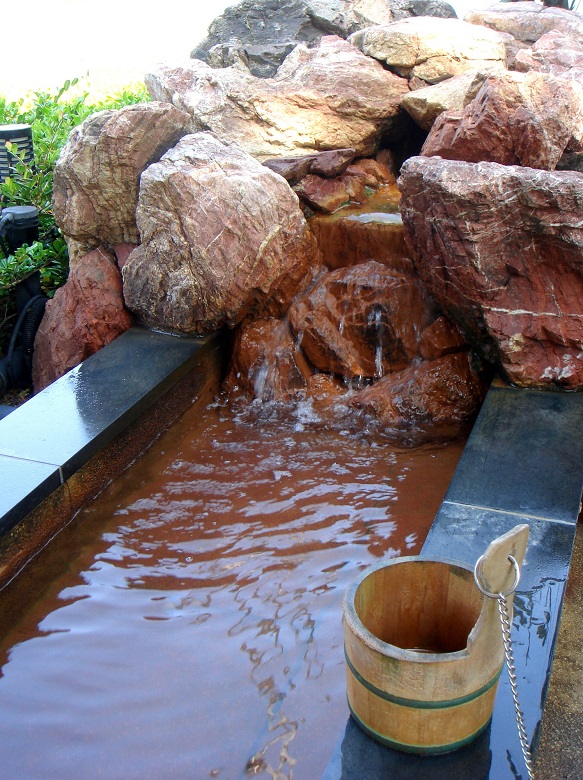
426 606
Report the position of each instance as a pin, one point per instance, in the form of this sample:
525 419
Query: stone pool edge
62 447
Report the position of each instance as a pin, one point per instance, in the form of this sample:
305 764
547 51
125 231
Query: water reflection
198 632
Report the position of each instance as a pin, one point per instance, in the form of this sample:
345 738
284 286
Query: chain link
508 653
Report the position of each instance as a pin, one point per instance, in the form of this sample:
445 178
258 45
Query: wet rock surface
500 248
361 322
84 315
222 237
434 396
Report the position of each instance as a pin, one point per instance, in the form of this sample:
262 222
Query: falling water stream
187 624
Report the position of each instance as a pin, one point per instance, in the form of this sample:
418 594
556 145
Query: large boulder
96 179
84 315
501 249
426 401
515 119
330 97
433 49
527 21
362 321
223 237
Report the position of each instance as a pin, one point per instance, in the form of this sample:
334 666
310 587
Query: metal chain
508 654
505 624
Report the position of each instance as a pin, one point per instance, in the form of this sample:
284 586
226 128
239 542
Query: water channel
187 624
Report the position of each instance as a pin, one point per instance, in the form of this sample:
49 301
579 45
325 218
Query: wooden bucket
424 647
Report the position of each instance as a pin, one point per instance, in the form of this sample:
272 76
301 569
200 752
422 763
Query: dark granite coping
50 437
523 463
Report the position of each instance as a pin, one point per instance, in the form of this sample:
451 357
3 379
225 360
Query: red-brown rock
439 339
266 363
332 163
326 195
361 322
293 169
85 315
501 249
357 238
515 119
425 401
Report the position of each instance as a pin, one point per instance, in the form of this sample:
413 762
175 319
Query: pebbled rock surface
329 97
223 237
501 249
96 179
362 321
430 49
84 315
524 119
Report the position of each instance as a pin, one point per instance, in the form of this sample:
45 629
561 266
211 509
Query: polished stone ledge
50 437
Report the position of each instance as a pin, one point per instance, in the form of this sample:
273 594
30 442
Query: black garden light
18 226
21 137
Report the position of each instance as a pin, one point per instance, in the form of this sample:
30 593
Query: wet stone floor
188 623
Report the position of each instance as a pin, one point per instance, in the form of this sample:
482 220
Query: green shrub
51 116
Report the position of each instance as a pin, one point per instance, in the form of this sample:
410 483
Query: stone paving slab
24 485
64 426
524 455
523 463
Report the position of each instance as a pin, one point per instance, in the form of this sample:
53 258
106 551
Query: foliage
51 116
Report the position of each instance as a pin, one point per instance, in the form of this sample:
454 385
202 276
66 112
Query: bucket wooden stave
424 654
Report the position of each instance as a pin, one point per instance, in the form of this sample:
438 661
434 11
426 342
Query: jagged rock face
84 315
515 119
500 248
432 49
527 21
428 400
330 97
96 179
362 321
223 237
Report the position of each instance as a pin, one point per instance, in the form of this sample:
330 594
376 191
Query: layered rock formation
97 176
222 237
501 248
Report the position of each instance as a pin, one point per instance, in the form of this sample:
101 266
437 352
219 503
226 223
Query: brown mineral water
188 623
